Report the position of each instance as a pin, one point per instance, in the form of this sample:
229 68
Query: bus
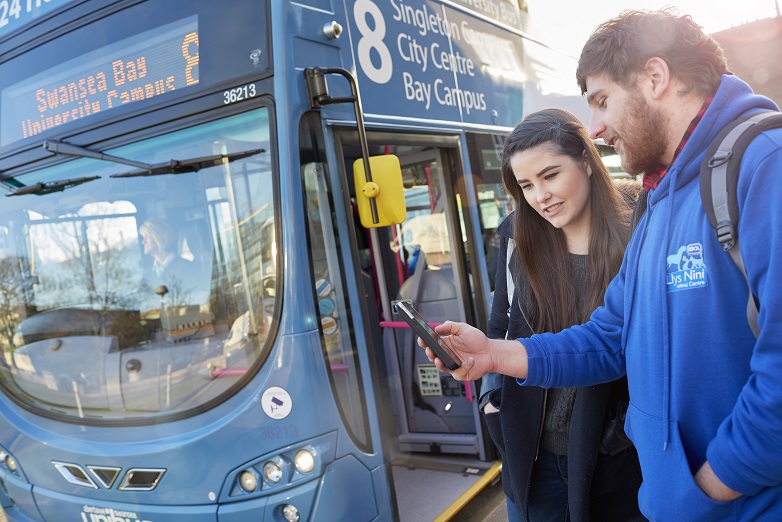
209 210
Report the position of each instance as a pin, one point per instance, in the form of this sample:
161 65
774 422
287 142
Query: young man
705 395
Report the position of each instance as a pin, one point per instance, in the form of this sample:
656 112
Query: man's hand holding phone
427 335
469 344
479 354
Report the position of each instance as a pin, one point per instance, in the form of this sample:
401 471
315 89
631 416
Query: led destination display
143 66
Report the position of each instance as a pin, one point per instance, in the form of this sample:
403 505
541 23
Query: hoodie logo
685 268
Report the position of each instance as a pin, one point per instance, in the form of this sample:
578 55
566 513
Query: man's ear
659 77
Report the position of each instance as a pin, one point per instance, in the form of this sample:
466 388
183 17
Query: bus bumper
56 507
326 498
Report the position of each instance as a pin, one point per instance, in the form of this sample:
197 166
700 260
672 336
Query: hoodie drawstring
631 278
664 315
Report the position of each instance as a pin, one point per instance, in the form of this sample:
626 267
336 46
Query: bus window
134 296
425 230
330 290
611 160
493 201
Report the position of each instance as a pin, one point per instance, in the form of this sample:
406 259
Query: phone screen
428 334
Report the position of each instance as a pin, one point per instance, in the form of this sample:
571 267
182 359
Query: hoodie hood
733 99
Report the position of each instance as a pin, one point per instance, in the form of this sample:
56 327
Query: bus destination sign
446 63
143 66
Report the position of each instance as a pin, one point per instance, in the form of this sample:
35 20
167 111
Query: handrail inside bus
238 372
402 324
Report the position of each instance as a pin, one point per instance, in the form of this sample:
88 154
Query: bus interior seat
436 300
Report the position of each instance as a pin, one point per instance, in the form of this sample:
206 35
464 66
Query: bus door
425 260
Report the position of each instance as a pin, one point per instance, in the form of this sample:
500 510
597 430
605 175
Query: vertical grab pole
319 96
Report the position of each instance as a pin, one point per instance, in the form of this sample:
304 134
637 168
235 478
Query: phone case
427 333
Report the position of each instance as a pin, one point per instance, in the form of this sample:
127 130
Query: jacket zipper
545 391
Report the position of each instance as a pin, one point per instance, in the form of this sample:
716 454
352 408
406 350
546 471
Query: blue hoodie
701 386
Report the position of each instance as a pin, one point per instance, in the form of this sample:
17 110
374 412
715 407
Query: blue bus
196 306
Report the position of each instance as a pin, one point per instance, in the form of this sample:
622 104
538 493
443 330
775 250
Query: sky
569 33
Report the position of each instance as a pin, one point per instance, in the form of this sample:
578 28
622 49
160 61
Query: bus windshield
138 297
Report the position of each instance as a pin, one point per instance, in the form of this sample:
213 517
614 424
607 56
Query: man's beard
644 139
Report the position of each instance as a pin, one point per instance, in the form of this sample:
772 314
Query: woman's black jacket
592 474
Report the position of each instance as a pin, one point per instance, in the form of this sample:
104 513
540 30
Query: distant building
753 52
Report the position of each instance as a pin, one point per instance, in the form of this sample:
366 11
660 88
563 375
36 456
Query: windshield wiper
52 186
146 169
191 165
59 147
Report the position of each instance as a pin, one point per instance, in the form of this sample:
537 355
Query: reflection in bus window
493 200
138 297
160 241
425 229
332 306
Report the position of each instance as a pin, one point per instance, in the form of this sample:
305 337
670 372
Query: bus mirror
386 189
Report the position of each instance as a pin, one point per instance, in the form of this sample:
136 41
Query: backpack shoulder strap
718 179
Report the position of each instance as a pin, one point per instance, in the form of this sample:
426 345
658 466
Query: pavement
487 506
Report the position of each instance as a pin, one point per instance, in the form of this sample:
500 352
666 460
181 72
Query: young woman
564 453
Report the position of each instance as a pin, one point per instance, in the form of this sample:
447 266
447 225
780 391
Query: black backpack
719 176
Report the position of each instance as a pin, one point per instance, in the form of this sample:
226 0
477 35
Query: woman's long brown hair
543 249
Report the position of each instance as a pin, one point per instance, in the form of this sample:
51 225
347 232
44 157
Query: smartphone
431 339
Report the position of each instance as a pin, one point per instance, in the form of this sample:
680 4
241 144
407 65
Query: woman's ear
587 166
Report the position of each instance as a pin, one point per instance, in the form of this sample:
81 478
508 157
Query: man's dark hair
620 48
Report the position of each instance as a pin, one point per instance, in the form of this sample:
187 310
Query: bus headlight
248 480
305 460
10 462
272 470
290 513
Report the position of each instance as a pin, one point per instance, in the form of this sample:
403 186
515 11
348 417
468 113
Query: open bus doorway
432 424
433 413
